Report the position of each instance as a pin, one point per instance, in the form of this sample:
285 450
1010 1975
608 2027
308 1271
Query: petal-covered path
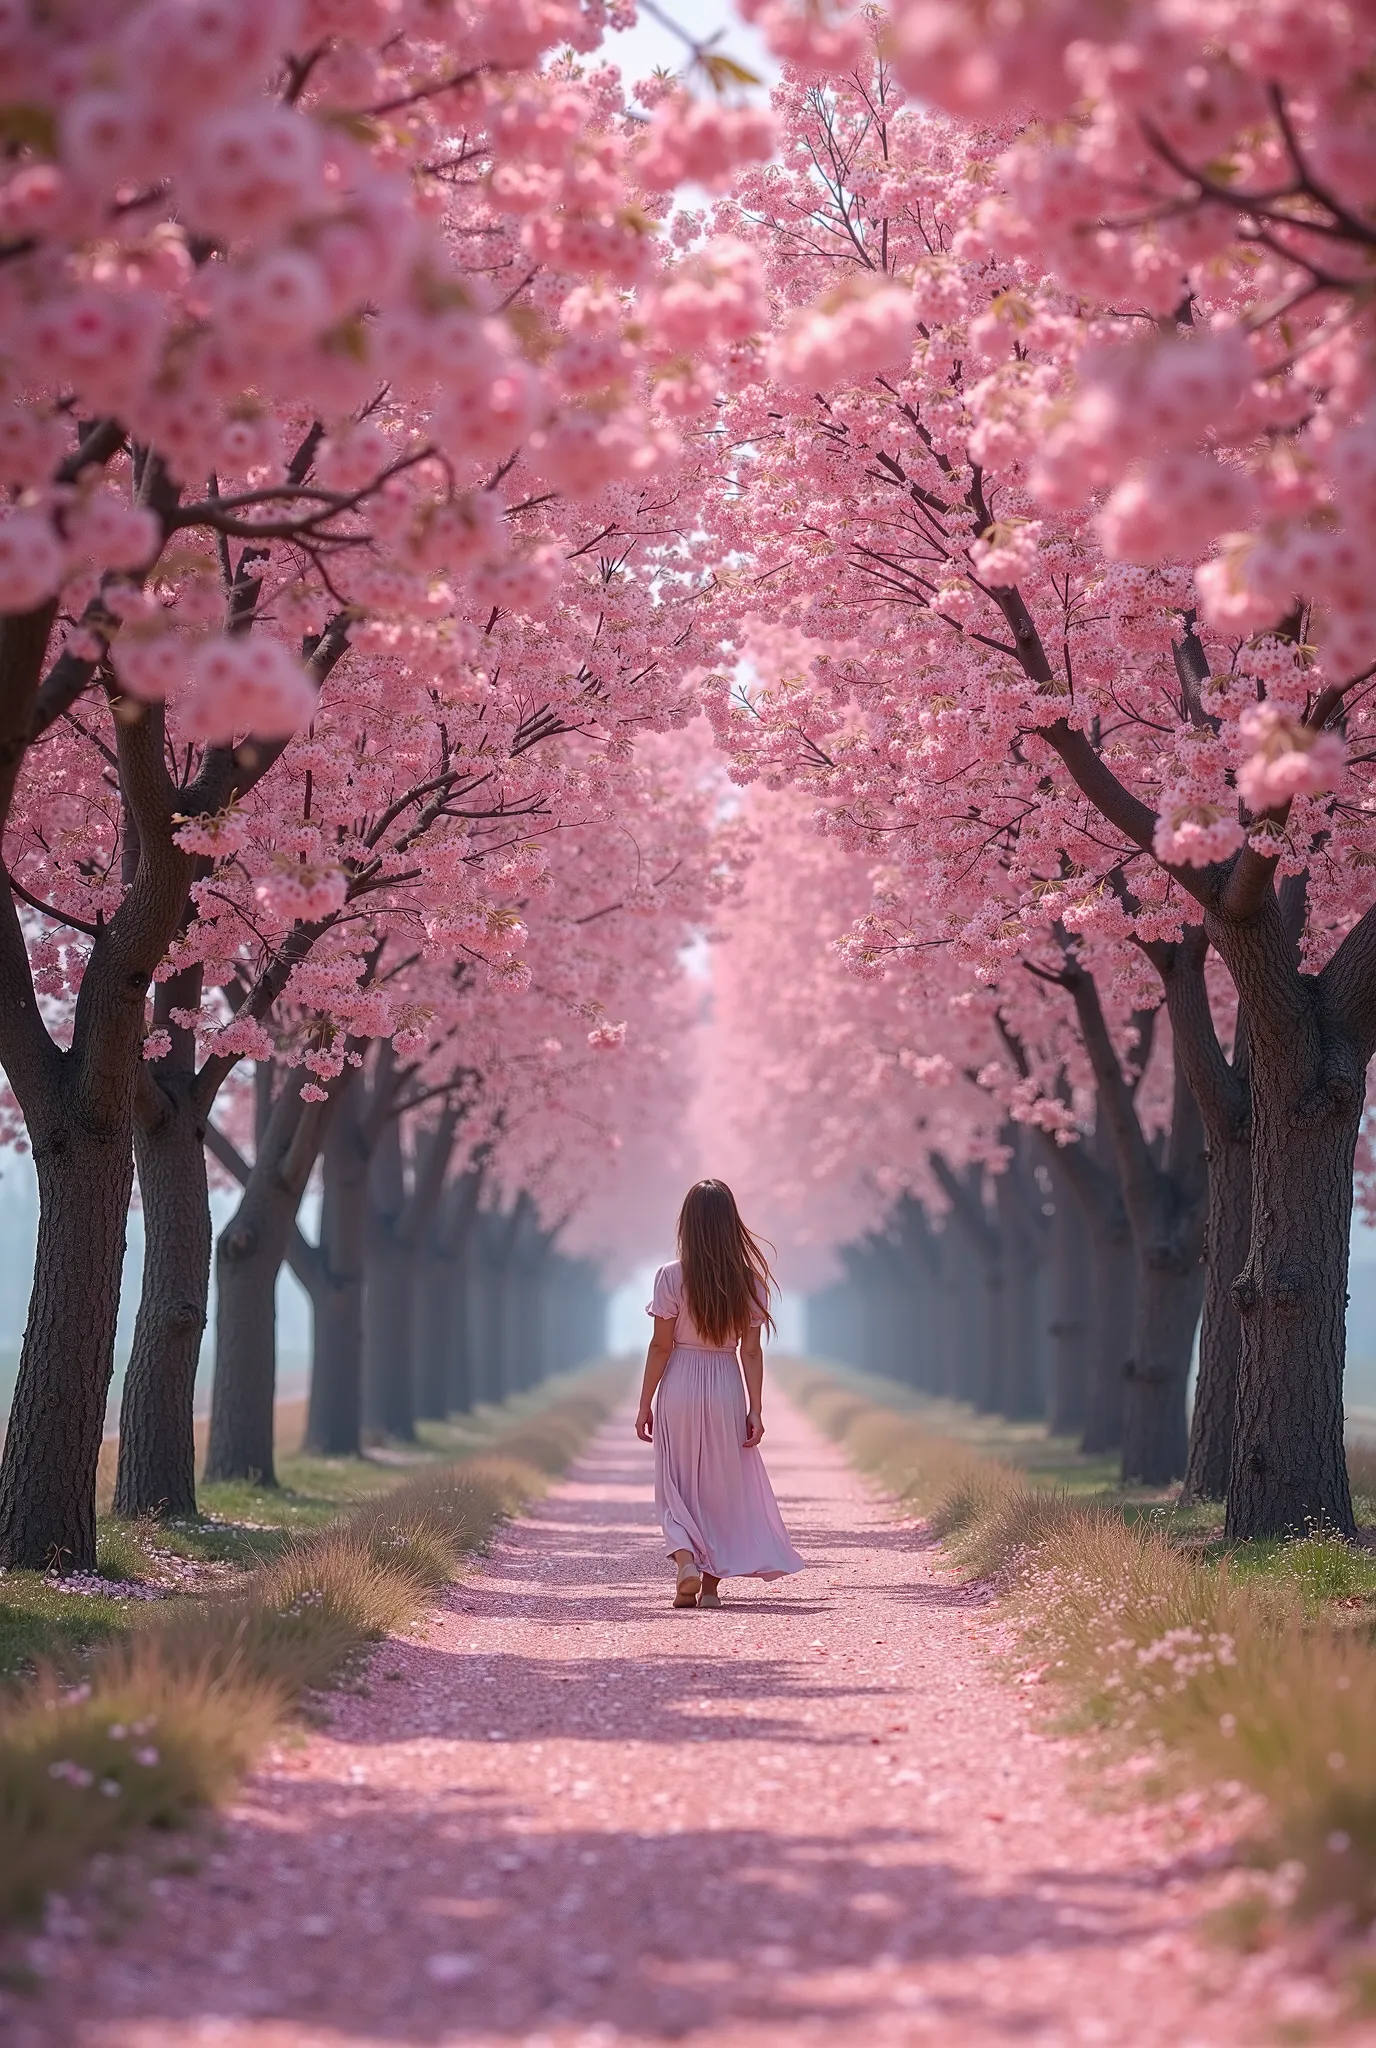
567 1815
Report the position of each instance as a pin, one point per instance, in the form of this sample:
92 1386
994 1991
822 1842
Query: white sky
640 50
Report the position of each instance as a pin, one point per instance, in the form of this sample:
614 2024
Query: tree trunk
389 1401
1067 1409
1167 1242
462 1372
57 1418
157 1450
1222 1091
424 1212
1289 1468
1155 1438
1113 1292
437 1286
494 1246
334 1416
1229 1236
1166 1198
1020 1393
1311 1038
248 1258
983 1378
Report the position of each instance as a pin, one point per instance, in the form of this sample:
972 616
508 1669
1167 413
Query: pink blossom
607 1037
251 171
31 560
113 534
1007 554
151 665
714 295
702 141
1194 834
583 450
249 684
863 334
1289 759
349 460
814 38
300 891
244 1036
1174 506
30 445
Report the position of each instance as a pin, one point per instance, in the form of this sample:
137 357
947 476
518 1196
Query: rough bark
1113 1293
1020 1229
924 1250
1227 1244
78 1105
1310 1040
1166 1203
1087 1168
1222 1091
389 1405
443 1343
1308 1061
524 1296
248 1256
400 1210
334 1413
157 1453
983 1377
1071 1254
57 1419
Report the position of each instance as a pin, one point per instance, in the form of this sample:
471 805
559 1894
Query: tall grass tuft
1256 1668
169 1719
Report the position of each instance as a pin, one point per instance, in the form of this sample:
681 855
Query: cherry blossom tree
615 879
967 671
310 314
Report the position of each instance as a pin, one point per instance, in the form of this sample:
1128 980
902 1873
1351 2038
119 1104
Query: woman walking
716 1505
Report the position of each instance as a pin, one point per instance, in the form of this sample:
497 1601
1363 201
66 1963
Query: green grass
38 1620
164 1715
245 1526
1325 1572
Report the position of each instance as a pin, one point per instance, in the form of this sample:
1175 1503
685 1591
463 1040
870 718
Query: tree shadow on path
453 1915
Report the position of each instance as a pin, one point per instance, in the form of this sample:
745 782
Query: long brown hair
725 1274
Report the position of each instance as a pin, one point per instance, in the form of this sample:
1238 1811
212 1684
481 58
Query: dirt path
567 1815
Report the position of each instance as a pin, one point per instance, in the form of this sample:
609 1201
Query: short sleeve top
667 1300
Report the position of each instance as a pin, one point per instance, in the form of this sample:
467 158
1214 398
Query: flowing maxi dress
713 1495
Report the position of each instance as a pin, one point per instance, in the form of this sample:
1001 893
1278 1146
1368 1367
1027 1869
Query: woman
716 1506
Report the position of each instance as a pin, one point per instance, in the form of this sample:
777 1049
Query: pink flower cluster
850 336
702 142
1289 758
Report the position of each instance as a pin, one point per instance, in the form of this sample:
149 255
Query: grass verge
1254 1668
168 1717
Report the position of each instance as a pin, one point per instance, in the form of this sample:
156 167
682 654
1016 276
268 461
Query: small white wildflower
70 1773
450 1969
110 1787
1339 1842
147 1757
1336 1760
1227 1724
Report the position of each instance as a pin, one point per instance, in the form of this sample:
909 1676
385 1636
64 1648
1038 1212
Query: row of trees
1043 1251
326 674
1097 764
998 480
